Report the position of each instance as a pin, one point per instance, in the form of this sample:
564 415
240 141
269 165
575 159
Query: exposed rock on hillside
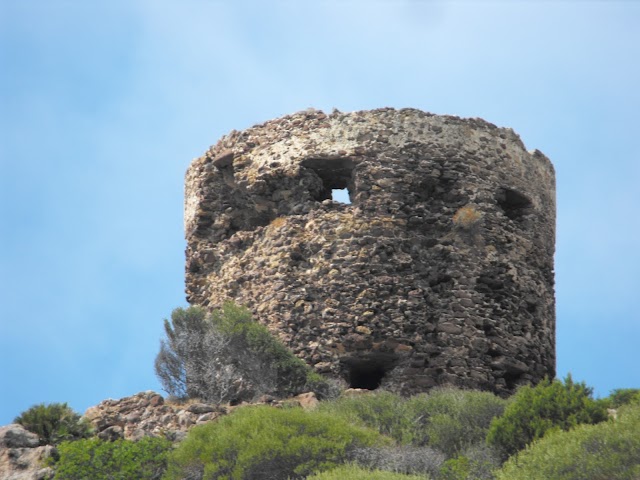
132 418
147 414
21 457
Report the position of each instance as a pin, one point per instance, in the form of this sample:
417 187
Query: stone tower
438 271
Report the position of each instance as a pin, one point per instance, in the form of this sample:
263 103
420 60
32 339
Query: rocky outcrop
21 456
147 414
439 271
131 418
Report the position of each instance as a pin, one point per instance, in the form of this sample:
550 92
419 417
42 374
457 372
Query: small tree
181 354
225 356
53 423
536 410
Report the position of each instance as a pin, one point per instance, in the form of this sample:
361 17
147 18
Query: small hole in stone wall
340 195
336 174
511 379
368 372
514 204
366 375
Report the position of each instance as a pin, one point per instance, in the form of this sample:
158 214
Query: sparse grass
278 222
466 217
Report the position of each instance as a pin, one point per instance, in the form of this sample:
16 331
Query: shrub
405 459
97 459
183 353
535 410
226 356
381 411
451 420
448 419
475 463
609 450
354 472
623 396
247 336
53 423
265 442
458 468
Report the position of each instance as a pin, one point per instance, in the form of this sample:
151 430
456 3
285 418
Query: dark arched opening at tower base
366 376
367 372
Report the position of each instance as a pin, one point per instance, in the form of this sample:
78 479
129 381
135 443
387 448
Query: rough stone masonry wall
440 271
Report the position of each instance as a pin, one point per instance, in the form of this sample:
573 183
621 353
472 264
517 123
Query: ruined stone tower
439 271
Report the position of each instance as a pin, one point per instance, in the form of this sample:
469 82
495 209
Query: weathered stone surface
308 400
200 408
147 414
445 252
15 436
20 456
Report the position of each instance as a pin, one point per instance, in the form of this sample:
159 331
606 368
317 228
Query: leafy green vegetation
553 430
53 423
608 450
404 459
623 396
549 405
354 472
452 420
227 357
448 420
236 324
267 442
96 459
381 411
476 463
447 434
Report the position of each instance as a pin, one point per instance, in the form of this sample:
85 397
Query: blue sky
104 104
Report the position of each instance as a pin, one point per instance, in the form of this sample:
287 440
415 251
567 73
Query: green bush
475 463
236 324
381 411
448 420
226 357
607 451
405 459
452 420
354 472
535 410
183 354
266 442
458 468
623 396
96 459
53 423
